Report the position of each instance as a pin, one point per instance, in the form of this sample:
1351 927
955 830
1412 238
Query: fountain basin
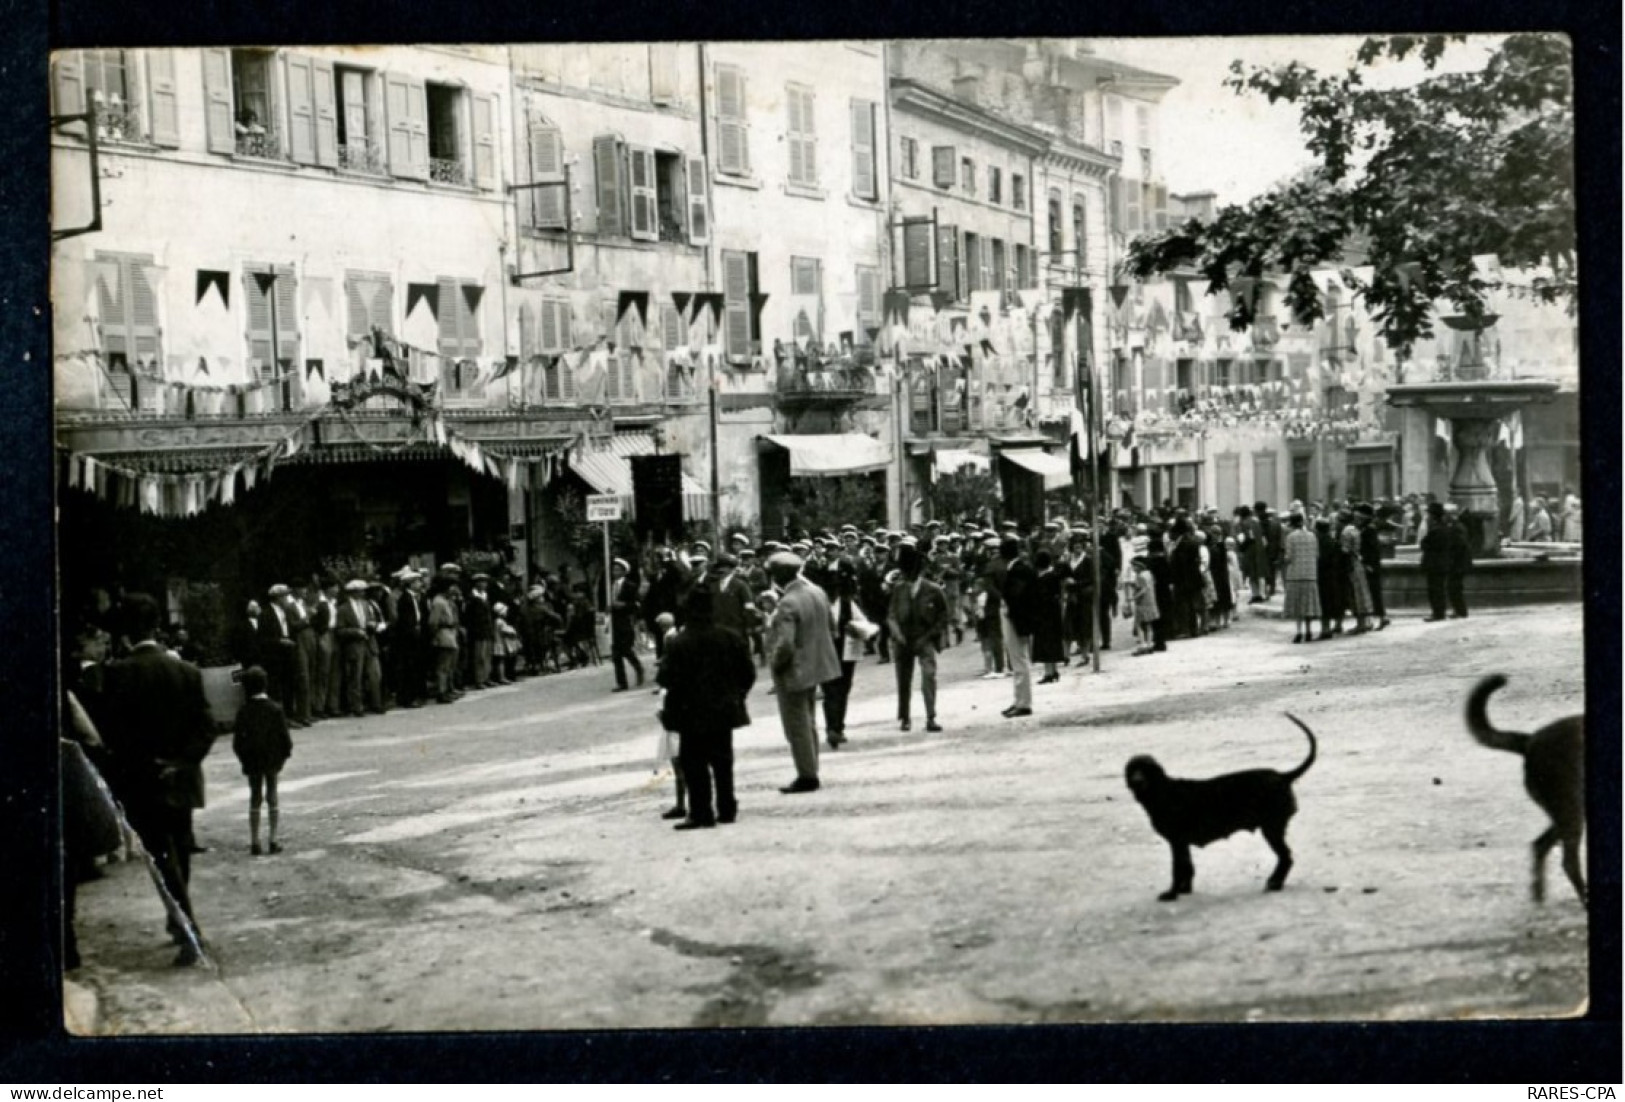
1524 574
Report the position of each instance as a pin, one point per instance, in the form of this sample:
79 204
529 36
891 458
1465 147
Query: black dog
1194 813
1554 774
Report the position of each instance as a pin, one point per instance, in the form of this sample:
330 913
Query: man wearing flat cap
354 625
278 647
802 657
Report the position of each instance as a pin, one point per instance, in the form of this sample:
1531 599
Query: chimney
966 88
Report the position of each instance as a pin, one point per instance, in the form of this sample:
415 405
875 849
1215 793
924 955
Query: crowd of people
809 609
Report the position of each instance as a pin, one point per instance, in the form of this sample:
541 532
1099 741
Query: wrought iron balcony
367 158
117 121
263 142
447 170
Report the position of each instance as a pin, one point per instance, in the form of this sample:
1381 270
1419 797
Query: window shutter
663 72
357 296
699 218
68 82
645 220
113 300
943 165
287 314
948 260
733 150
868 303
381 305
406 104
259 324
301 110
548 328
1160 191
325 101
809 141
973 263
607 164
863 150
1114 203
798 164
527 336
1131 220
998 266
162 110
917 253
736 302
485 142
672 322
217 112
451 334
546 165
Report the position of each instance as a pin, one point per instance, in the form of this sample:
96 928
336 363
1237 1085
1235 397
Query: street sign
603 507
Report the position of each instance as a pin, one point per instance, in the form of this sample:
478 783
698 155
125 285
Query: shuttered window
1018 191
868 280
973 264
944 164
219 116
1055 227
546 206
406 106
162 109
801 136
733 145
1024 276
807 291
644 222
610 171
258 309
998 276
865 178
738 283
663 72
1131 207
948 270
128 308
553 326
622 384
484 112
369 298
1119 222
1080 235
917 270
699 210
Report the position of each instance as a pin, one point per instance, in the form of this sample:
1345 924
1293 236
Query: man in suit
157 728
324 670
482 630
1018 615
443 638
802 657
278 646
733 604
411 626
245 640
918 616
355 627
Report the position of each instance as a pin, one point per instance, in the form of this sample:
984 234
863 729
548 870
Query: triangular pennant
314 367
202 366
715 302
264 281
1119 293
507 367
423 292
220 281
632 300
472 293
681 299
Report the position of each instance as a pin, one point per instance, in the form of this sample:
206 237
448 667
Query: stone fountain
1475 405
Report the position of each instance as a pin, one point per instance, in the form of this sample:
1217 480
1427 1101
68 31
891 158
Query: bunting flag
220 281
941 300
315 367
472 294
894 307
681 299
632 300
1075 301
1156 317
423 292
715 302
202 366
507 367
758 300
264 281
1119 293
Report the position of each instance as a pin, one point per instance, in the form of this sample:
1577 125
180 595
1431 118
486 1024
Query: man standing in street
482 630
355 626
156 725
1018 614
1438 556
1371 560
802 657
411 625
706 672
1460 562
623 615
278 647
918 617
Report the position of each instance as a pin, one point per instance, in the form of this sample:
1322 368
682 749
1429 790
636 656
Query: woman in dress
1300 563
1356 587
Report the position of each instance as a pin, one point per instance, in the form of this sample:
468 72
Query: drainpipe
702 56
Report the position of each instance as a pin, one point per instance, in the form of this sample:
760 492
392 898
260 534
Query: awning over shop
1055 470
950 460
608 470
836 453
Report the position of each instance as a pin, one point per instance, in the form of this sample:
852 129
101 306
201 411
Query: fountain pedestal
1475 410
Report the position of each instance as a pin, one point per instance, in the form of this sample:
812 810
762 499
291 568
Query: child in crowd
507 650
666 625
262 745
1144 606
989 633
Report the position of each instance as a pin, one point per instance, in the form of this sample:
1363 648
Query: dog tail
1478 719
1310 760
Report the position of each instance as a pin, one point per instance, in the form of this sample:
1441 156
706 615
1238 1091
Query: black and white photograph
663 535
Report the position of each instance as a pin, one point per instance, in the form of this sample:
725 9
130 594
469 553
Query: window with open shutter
1160 192
460 343
609 169
484 111
733 147
998 276
68 84
807 289
948 261
973 264
1114 200
162 111
218 114
917 270
736 307
324 102
944 163
865 176
868 302
1131 205
546 205
644 222
301 109
1080 236
407 106
801 137
699 210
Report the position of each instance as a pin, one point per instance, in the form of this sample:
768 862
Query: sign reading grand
603 507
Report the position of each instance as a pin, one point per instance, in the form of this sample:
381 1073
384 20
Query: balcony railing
263 142
447 170
117 121
367 158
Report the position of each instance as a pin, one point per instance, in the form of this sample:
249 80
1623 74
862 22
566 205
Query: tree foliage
1422 178
824 504
965 494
